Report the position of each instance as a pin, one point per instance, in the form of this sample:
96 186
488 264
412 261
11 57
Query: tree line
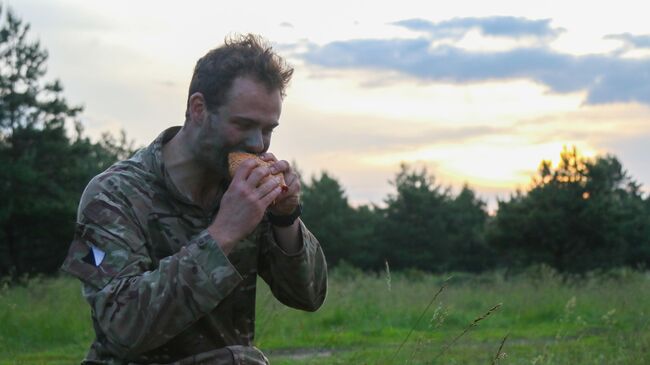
582 215
585 214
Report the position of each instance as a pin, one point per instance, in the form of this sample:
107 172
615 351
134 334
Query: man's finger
244 170
293 187
268 186
281 166
271 196
257 175
293 191
291 178
268 157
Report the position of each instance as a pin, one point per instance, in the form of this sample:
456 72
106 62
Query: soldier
168 246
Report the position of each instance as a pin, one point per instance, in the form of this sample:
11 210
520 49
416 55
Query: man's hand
243 205
288 201
289 238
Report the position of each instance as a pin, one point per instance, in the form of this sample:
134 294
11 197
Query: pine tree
584 214
43 169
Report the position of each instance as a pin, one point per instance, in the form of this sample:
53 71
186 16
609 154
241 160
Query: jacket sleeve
298 280
136 306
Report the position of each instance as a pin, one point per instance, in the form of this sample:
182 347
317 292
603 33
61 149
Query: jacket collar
157 163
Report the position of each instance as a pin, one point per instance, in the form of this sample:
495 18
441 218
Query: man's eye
243 125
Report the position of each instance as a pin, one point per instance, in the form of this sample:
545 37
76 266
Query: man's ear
198 108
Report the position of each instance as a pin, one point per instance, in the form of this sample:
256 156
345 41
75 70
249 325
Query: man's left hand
288 201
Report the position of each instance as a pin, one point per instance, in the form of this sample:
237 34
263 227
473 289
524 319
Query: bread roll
236 158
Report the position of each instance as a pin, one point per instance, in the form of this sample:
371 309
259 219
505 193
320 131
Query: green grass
598 319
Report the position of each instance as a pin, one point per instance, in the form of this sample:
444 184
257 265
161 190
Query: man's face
245 122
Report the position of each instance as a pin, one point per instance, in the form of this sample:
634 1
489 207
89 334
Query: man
168 246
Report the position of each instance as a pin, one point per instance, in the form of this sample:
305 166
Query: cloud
606 78
631 40
497 26
315 133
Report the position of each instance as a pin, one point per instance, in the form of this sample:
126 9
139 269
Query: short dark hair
240 55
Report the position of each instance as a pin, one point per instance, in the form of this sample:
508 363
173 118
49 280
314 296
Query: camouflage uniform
160 288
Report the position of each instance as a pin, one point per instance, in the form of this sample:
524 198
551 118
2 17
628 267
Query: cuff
274 246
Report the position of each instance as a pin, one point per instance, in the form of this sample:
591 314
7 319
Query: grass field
381 319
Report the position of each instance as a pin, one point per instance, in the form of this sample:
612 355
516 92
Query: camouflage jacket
160 288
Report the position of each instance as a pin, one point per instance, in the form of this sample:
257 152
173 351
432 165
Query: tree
326 211
424 226
44 170
365 251
576 217
413 230
467 221
345 233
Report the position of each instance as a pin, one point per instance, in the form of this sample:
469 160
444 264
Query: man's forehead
247 85
250 100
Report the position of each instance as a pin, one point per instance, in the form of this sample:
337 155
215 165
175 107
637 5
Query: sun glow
484 165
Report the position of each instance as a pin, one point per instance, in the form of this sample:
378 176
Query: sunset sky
479 92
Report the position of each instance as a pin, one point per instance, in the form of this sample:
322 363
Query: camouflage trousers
231 355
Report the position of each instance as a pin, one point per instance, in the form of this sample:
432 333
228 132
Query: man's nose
255 142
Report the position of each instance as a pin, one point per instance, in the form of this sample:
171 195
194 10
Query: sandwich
236 158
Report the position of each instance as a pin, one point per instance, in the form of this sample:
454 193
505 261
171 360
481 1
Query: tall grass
43 321
549 319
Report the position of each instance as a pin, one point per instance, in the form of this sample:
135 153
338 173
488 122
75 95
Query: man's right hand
243 205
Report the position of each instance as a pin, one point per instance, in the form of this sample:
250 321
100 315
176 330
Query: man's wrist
284 220
222 241
288 239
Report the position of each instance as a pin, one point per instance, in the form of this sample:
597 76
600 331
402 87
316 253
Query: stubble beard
213 155
221 165
214 160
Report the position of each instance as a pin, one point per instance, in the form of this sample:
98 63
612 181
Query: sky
479 93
